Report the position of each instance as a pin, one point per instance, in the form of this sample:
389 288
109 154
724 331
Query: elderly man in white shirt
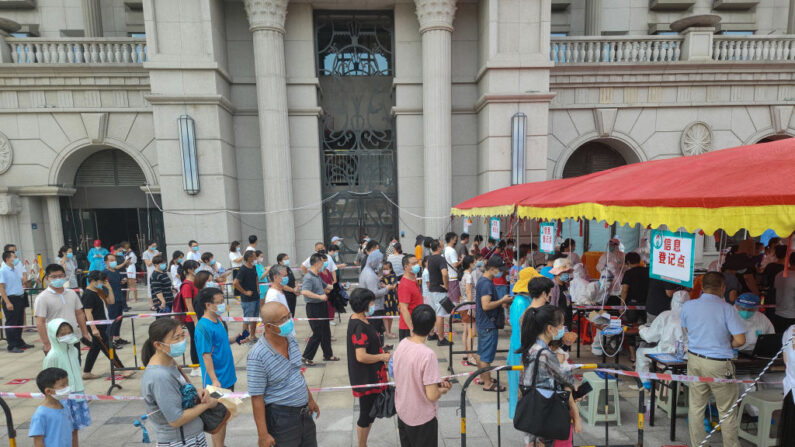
332 266
278 279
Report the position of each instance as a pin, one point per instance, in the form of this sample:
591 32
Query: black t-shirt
657 301
363 335
247 277
435 265
637 278
290 283
92 301
770 272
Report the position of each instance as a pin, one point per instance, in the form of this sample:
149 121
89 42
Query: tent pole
518 243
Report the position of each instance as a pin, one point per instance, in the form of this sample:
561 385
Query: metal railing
88 50
600 50
753 48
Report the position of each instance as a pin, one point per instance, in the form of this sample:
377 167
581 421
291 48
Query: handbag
213 419
447 304
545 417
498 319
384 406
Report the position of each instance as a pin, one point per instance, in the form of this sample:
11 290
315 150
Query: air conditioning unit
736 5
670 5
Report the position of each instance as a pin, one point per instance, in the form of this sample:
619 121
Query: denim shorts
487 344
250 308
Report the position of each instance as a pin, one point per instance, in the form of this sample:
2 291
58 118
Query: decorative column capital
9 204
435 14
266 14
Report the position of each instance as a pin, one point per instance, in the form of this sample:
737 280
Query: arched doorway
774 138
109 203
594 156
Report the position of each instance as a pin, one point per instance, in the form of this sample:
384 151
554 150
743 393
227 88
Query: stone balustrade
109 51
753 48
623 49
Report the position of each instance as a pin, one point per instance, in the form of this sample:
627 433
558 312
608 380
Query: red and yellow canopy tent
748 187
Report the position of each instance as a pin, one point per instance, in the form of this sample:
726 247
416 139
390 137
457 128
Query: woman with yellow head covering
521 302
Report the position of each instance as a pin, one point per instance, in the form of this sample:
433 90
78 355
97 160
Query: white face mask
69 339
63 391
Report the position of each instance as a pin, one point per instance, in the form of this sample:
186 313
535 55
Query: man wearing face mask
281 402
279 280
315 293
559 297
96 256
409 295
755 322
14 302
115 279
57 302
193 251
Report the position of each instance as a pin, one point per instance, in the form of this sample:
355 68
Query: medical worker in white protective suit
611 268
666 330
583 292
755 324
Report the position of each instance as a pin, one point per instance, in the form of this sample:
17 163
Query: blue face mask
211 284
286 328
221 309
325 265
498 275
112 264
179 261
371 310
560 333
285 281
746 314
196 248
153 248
16 261
565 277
162 266
58 283
479 264
177 349
416 269
70 255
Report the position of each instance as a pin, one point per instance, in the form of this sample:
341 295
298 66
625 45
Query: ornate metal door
355 69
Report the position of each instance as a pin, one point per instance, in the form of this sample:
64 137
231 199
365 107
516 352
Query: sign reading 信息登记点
671 257
547 237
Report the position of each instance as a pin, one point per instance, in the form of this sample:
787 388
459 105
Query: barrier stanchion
472 327
12 432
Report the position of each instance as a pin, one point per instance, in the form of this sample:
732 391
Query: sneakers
196 372
27 346
122 341
444 342
16 350
433 337
333 323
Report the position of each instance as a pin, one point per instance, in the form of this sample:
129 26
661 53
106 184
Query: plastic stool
596 400
767 402
664 399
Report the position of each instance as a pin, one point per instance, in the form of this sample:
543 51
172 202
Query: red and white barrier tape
678 377
609 307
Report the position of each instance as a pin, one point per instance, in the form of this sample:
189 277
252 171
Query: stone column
436 28
791 17
54 221
266 20
92 19
593 18
9 224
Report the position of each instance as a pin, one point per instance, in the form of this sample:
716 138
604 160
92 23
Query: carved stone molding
6 154
435 14
266 14
696 139
779 117
605 120
9 204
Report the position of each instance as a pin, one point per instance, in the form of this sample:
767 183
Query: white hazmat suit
666 330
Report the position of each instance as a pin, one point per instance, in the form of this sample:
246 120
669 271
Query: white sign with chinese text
495 228
672 257
547 234
467 224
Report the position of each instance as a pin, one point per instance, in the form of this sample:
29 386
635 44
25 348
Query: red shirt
188 292
408 293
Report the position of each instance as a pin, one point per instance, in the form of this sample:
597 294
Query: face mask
325 265
70 255
221 309
371 310
746 314
69 339
560 333
211 284
58 282
177 349
97 245
367 239
479 264
112 264
611 248
63 391
285 281
565 277
286 328
237 249
196 248
16 261
387 272
153 248
498 275
286 262
162 266
179 261
416 269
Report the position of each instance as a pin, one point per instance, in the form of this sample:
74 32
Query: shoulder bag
545 417
384 406
213 419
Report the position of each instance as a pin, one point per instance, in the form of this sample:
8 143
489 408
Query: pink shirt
415 365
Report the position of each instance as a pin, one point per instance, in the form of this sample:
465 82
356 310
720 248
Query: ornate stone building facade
311 119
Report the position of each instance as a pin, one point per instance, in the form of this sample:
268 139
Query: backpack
179 302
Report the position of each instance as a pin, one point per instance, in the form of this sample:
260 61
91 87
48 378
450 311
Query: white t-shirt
250 248
175 281
332 267
130 256
467 279
789 354
193 255
235 255
148 256
452 257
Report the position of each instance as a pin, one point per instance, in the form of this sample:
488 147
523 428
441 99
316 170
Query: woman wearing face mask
262 273
173 269
467 286
162 384
366 359
214 345
63 354
539 327
148 256
185 302
66 258
235 260
95 300
291 289
162 289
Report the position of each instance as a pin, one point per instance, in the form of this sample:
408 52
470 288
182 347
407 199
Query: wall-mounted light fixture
190 160
518 136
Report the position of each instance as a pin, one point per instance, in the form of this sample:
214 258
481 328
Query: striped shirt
277 379
161 283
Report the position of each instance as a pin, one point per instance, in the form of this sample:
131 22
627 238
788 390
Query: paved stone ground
113 421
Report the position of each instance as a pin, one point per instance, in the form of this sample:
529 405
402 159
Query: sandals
307 362
493 388
331 359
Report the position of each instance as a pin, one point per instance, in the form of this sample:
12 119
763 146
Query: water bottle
680 349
